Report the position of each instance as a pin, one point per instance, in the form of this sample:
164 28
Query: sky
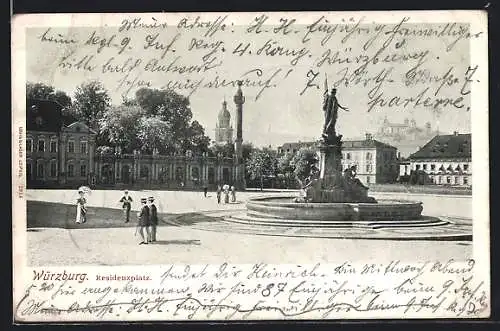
280 114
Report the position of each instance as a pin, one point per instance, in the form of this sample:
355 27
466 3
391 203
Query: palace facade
444 160
65 155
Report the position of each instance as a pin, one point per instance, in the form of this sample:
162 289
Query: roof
298 145
43 115
372 143
79 126
367 143
446 146
224 112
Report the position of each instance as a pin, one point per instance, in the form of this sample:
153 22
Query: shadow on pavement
177 242
42 214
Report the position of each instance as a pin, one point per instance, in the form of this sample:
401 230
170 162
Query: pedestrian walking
81 208
219 192
225 188
144 221
153 216
233 193
126 201
205 190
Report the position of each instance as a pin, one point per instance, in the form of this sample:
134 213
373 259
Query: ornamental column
239 100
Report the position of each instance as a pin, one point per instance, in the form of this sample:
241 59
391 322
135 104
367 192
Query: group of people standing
147 217
226 189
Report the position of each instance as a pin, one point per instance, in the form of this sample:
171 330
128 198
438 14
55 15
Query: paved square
196 240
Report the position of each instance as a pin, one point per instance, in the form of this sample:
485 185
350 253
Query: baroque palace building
61 155
445 160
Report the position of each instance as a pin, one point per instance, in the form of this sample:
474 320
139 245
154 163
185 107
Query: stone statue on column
330 108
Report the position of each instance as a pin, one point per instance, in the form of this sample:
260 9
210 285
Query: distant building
295 146
56 153
445 159
223 128
407 137
376 162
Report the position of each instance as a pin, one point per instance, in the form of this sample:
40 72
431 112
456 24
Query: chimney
455 133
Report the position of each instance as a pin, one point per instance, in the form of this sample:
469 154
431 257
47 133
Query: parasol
85 189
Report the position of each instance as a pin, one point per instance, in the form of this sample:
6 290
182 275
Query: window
71 170
71 146
424 166
41 145
457 180
466 181
368 180
417 167
53 146
83 147
211 175
433 167
29 170
29 145
83 170
144 172
348 156
195 173
40 170
368 156
368 168
466 167
448 180
53 169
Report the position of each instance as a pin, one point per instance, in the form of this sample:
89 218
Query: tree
303 162
39 91
174 109
226 150
119 126
91 102
246 149
286 168
198 141
153 133
261 164
46 92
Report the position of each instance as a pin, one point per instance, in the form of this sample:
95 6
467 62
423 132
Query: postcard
250 166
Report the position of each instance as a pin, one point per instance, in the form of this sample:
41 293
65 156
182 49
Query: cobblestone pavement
190 244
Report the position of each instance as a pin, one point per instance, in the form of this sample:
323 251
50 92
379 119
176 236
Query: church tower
223 128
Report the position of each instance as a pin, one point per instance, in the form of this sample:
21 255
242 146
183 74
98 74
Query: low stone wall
285 208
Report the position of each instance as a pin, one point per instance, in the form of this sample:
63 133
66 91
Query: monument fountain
335 200
329 195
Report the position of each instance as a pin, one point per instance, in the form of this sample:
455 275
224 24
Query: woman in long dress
81 209
226 193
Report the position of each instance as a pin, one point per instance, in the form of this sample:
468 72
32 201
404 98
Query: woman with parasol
81 202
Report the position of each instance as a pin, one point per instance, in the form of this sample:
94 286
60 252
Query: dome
224 116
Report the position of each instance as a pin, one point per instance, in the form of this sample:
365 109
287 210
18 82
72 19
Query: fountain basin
286 208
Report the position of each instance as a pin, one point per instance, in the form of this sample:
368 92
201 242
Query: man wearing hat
126 201
153 217
144 221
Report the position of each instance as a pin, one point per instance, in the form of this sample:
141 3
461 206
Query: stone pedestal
332 186
330 161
